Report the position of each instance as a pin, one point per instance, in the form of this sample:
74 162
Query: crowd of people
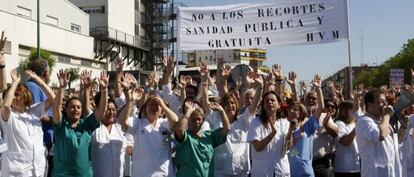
205 125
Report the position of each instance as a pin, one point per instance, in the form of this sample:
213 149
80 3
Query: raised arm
8 99
317 81
258 84
169 68
292 83
223 116
171 116
119 64
384 126
204 87
302 89
132 96
63 78
49 92
181 86
182 124
225 73
103 101
3 81
86 79
277 73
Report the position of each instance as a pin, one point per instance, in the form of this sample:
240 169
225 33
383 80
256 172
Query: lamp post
38 29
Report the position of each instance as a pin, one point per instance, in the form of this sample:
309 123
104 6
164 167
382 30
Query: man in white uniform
378 145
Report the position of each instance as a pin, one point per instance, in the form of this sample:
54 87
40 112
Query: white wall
22 31
96 20
121 15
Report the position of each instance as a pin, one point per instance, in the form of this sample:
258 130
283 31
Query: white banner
262 24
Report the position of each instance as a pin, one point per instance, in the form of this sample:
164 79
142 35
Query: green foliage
24 64
73 74
380 76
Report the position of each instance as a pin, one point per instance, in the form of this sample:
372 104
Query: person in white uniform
377 144
108 145
267 134
20 120
233 157
407 149
152 145
347 161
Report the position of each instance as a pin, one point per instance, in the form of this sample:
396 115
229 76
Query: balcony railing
107 32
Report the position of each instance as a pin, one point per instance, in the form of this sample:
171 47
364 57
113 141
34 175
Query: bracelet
2 66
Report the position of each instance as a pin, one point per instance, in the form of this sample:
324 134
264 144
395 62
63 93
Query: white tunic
378 158
26 155
232 157
346 157
408 149
108 151
272 159
152 148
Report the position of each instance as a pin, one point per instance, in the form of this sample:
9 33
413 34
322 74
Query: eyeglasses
330 106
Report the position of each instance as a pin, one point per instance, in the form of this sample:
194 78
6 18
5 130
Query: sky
378 30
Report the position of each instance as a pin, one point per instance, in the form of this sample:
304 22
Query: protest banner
262 24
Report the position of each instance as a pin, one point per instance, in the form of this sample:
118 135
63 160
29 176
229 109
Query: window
52 20
86 63
63 59
24 12
75 28
94 10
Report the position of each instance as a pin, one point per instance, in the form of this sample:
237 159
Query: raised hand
330 84
63 78
128 81
86 78
103 80
119 65
169 64
258 80
317 81
387 110
181 82
303 86
277 71
291 78
203 70
215 107
137 94
14 75
338 89
225 71
250 77
32 75
2 43
153 79
190 107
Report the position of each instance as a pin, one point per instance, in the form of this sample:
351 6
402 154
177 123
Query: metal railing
107 32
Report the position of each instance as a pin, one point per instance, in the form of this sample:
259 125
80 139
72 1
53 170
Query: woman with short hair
22 128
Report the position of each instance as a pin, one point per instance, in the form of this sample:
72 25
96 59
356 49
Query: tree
24 64
380 76
73 75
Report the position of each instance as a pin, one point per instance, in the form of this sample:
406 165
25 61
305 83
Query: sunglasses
330 106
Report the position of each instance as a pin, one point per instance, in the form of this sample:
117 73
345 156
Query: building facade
64 31
342 77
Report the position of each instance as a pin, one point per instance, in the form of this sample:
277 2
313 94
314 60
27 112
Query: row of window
93 10
53 21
